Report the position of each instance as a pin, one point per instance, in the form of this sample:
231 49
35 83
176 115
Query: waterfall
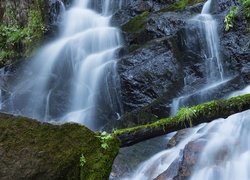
151 168
213 65
74 77
234 135
225 155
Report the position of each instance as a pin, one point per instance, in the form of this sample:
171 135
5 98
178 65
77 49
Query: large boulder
33 150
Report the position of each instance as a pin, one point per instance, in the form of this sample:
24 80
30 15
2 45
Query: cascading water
213 65
225 155
151 168
70 78
233 141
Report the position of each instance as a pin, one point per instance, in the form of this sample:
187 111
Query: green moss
18 40
187 115
245 5
229 19
180 5
137 24
61 148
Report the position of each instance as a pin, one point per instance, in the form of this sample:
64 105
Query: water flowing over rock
212 67
73 78
191 56
207 151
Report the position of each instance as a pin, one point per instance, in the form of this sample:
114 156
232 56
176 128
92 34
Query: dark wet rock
191 154
183 166
130 157
171 172
153 69
145 98
132 8
178 137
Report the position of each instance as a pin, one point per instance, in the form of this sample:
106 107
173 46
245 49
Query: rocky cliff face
157 59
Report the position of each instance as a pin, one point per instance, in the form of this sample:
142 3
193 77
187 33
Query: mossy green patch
187 117
244 7
137 24
53 151
180 5
20 39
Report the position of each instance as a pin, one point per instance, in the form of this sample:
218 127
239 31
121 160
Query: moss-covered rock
137 24
33 150
180 5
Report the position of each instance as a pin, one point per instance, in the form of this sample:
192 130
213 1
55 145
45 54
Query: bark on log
186 117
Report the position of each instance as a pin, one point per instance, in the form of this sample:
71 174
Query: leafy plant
187 114
104 138
245 5
82 160
229 19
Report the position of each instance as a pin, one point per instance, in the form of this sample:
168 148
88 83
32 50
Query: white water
232 138
201 94
213 64
151 168
80 65
227 138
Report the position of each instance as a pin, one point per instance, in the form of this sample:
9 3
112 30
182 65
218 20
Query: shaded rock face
152 77
34 150
154 69
132 8
130 157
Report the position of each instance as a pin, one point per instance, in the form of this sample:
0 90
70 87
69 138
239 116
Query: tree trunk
187 117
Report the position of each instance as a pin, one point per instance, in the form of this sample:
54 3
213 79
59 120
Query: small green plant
187 114
229 19
104 138
245 5
82 160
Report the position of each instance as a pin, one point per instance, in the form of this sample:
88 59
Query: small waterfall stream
213 65
225 155
74 77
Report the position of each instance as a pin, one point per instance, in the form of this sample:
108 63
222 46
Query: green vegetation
54 151
187 114
105 138
82 160
186 117
244 7
20 39
137 24
229 19
180 5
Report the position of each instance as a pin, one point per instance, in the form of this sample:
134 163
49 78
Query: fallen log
186 117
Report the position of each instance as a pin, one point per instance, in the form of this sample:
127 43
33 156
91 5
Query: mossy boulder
33 150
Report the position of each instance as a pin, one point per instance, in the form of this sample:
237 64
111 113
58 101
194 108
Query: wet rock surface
144 94
130 157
